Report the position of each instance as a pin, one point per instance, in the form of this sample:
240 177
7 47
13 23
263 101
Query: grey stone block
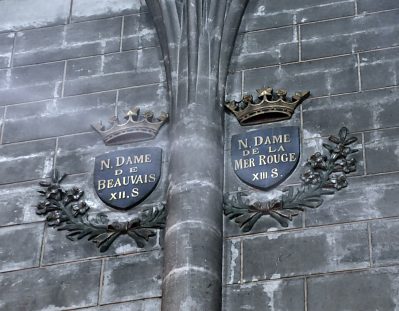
24 14
373 6
51 288
20 246
16 203
26 161
287 253
76 153
359 112
234 86
139 32
350 35
379 68
120 70
58 249
132 277
321 77
269 296
31 83
6 46
384 241
251 52
149 97
140 305
94 9
367 291
57 117
382 151
365 198
231 261
70 41
261 14
2 112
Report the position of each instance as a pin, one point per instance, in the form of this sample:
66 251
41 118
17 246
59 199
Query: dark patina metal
124 178
266 157
323 175
65 210
267 108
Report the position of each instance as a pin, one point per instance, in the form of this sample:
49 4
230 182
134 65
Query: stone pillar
197 39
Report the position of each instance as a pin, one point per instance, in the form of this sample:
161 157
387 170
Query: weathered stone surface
94 9
6 46
385 244
149 97
261 14
57 117
139 32
350 35
369 291
232 261
268 296
51 288
132 277
2 111
365 198
382 150
20 246
31 83
16 203
379 68
120 70
140 305
287 253
206 285
251 51
359 112
70 41
322 77
26 161
23 14
234 87
373 6
58 249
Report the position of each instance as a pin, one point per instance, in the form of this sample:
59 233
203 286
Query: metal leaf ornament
323 175
65 210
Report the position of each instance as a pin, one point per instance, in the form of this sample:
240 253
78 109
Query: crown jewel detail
138 127
269 107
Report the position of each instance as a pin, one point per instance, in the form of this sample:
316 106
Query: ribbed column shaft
197 39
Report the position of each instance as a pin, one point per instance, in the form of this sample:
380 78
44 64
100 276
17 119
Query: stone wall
63 67
66 64
343 255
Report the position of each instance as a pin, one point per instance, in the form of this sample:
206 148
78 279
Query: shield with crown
124 178
266 157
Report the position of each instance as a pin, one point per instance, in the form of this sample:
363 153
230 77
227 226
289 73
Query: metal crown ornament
270 106
138 127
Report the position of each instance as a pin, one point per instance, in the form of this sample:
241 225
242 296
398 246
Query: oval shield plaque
124 178
266 157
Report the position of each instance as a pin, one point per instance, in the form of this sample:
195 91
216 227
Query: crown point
148 115
163 116
265 91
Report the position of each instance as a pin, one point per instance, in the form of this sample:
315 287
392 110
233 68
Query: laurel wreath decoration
323 175
65 210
